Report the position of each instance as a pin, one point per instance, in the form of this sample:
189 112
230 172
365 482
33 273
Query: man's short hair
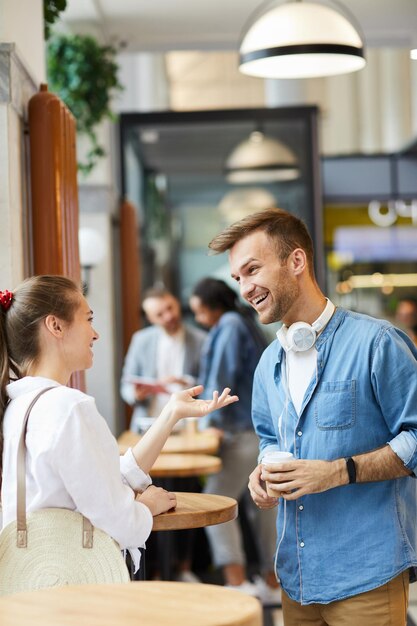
411 299
156 292
286 230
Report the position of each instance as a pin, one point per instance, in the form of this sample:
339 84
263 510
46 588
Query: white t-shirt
72 462
169 362
301 367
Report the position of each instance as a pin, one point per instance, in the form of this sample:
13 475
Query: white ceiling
163 25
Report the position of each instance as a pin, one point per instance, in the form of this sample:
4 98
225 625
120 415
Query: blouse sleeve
86 457
132 473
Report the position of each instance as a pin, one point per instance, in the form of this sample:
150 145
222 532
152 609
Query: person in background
338 390
167 356
231 353
406 316
73 461
167 353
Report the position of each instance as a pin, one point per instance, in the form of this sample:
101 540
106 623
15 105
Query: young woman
73 460
230 355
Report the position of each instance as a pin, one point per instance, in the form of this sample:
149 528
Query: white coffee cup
269 461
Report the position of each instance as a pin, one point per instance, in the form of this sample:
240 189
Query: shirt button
300 432
302 544
300 508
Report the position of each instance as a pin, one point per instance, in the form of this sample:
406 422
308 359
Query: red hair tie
6 298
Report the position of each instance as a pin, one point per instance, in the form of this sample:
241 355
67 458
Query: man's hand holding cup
271 464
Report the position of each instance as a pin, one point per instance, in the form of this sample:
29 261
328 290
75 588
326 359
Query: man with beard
167 353
162 358
339 391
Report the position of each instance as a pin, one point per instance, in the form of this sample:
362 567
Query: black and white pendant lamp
260 158
297 39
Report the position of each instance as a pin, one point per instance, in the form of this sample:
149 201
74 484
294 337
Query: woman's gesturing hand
181 404
185 404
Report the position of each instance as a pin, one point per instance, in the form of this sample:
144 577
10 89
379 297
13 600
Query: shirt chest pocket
335 405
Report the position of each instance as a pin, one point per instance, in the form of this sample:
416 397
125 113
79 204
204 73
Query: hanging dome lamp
260 158
297 39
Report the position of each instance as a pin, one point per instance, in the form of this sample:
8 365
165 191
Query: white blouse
72 462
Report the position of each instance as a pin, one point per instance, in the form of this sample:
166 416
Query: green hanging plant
51 11
84 75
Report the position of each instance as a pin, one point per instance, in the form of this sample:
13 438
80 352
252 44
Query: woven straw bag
53 547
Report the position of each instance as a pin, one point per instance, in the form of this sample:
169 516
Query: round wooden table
184 442
168 467
195 510
185 465
146 603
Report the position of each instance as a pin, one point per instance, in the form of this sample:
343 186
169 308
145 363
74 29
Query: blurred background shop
341 153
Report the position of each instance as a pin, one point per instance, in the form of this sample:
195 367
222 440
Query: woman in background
230 355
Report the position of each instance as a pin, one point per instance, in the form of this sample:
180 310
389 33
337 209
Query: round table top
184 442
195 510
145 603
183 465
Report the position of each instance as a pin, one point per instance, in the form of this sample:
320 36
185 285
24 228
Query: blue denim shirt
229 358
352 538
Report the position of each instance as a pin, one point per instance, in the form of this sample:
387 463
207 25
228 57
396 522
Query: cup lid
276 456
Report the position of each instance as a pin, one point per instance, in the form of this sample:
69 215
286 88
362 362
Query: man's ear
54 325
298 261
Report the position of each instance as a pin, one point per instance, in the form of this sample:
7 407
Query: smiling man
339 391
167 352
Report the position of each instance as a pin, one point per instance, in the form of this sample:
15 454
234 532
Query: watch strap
351 469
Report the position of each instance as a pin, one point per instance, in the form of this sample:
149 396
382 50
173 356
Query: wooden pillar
130 278
53 167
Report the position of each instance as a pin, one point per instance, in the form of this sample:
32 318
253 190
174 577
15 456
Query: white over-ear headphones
301 336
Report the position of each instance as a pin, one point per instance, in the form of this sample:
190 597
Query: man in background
164 355
406 316
161 359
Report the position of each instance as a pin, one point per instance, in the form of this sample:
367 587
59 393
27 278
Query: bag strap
21 486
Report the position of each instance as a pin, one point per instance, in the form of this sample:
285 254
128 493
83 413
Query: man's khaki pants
384 606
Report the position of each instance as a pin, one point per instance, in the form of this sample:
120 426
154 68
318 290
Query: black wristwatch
351 469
